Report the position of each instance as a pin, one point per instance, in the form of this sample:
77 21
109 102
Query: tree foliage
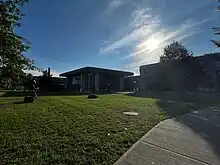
13 63
217 32
180 71
26 81
175 51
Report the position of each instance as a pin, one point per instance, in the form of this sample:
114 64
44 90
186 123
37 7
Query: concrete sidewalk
191 139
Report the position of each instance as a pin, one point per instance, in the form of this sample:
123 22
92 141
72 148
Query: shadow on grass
14 94
44 93
19 102
205 122
175 108
5 105
165 95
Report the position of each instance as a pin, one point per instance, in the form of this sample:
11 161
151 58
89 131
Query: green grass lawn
75 130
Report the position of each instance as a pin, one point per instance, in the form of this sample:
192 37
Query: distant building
51 83
210 63
92 79
132 83
48 81
148 75
211 66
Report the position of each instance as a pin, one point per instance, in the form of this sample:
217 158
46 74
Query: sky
115 34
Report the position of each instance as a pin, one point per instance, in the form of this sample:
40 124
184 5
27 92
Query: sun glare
152 44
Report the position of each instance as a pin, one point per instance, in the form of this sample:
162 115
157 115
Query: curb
135 144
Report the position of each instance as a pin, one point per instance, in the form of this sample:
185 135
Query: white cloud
150 49
38 73
141 24
114 4
34 72
146 36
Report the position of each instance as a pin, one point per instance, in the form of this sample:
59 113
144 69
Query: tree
27 79
13 63
175 51
217 32
180 70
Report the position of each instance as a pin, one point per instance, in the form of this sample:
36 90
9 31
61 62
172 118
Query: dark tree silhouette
175 51
217 32
179 69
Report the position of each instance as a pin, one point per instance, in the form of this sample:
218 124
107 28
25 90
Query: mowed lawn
76 130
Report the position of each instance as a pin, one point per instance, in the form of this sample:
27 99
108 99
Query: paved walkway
191 139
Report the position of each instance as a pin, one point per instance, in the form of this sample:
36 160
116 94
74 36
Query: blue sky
117 34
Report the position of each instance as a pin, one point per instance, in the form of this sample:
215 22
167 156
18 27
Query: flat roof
95 69
199 57
150 65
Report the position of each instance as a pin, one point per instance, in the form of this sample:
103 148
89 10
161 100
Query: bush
92 96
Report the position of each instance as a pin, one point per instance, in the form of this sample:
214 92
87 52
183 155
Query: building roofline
150 65
51 77
95 69
207 55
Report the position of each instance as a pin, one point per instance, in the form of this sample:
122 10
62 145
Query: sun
149 44
152 44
